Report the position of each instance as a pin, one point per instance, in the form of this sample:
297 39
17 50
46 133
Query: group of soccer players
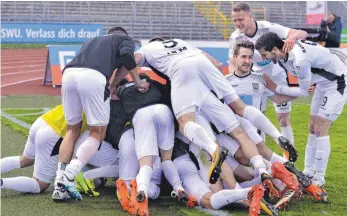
150 129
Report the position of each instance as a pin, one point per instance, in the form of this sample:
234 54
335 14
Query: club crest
255 87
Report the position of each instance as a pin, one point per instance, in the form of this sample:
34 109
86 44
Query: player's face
275 55
242 20
244 60
267 54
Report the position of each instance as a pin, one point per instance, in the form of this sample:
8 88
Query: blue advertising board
49 32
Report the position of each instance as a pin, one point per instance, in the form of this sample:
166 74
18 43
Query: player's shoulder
256 76
230 76
264 24
236 36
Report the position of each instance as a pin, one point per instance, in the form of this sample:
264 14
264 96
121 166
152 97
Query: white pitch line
44 110
31 71
23 81
14 120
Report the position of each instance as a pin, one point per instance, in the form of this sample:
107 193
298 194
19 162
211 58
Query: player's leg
283 117
28 157
187 94
45 140
331 107
128 169
146 146
94 97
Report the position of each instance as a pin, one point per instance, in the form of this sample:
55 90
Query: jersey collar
242 76
256 30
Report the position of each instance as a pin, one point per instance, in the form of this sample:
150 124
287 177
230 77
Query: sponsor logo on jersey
263 63
255 87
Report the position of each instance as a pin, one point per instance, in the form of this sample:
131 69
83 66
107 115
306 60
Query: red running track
22 72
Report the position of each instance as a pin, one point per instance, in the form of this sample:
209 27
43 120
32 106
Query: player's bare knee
241 157
165 155
74 130
43 185
238 133
98 132
205 200
321 128
283 119
184 119
25 162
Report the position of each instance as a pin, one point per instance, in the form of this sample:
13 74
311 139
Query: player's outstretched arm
293 35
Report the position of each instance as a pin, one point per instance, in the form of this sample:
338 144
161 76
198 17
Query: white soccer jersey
250 88
259 65
324 66
162 56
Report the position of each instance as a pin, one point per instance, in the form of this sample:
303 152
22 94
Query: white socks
143 179
255 181
259 120
103 172
225 197
287 132
198 135
258 164
310 155
9 163
21 184
84 153
171 174
276 158
322 156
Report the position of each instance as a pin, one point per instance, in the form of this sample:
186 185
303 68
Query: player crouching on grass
42 149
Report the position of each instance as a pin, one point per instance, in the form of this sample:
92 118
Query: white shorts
219 114
192 78
153 128
85 90
105 156
189 175
231 144
327 102
46 142
128 163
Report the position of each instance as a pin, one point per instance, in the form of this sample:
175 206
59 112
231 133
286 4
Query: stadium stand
168 19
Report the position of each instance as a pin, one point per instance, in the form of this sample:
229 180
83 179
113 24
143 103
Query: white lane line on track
14 73
19 82
22 66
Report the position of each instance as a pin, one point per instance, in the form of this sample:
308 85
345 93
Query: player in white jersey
214 196
41 150
311 64
250 86
249 29
192 78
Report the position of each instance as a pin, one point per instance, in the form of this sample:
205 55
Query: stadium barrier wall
59 55
49 32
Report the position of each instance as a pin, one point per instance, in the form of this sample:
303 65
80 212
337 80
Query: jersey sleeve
280 30
126 52
303 69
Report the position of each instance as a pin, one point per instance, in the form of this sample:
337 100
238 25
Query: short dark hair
117 30
156 39
241 7
268 41
245 44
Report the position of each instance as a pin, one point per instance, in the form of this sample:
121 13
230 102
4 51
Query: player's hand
143 86
269 83
312 89
288 45
113 92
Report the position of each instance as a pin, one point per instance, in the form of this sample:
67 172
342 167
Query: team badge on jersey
255 87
